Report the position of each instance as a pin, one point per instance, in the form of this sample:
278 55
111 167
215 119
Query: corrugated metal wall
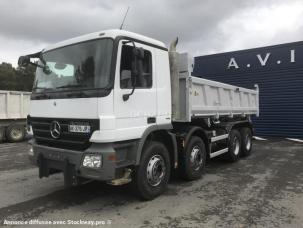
278 70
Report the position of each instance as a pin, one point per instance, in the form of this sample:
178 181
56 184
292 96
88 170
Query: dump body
14 104
200 97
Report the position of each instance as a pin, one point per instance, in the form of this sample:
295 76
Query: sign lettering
232 63
262 60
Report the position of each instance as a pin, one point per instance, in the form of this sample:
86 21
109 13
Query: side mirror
138 53
141 53
23 61
136 68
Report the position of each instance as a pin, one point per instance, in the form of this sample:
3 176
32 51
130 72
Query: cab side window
142 81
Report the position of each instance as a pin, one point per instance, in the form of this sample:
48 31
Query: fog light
92 161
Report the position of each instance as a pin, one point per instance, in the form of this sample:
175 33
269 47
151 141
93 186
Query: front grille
67 140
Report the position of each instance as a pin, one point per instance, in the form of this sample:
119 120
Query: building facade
278 70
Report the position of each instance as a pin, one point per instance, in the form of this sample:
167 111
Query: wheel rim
196 158
248 142
236 146
156 170
16 133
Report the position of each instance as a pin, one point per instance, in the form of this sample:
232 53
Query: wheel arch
200 132
159 133
241 124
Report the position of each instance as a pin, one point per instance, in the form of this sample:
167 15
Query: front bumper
51 160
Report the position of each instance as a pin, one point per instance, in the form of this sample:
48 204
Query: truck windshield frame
84 67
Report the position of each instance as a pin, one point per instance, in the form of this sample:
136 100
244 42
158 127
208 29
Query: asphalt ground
262 190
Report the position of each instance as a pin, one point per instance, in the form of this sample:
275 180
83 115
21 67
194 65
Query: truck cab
91 74
102 108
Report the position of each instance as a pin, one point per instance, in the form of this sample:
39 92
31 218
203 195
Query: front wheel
150 178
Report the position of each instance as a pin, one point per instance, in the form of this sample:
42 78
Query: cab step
123 180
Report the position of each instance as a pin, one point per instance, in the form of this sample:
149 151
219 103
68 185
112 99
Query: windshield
83 65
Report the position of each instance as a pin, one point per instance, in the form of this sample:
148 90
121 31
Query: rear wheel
150 178
2 134
234 146
246 141
193 159
15 133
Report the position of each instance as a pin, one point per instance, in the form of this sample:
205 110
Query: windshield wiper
43 93
45 88
75 93
69 86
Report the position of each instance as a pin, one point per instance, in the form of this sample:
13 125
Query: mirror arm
129 41
35 55
36 65
126 96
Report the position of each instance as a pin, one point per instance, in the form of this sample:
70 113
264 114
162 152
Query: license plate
79 128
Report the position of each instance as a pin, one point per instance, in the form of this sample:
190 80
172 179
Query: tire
15 133
246 141
150 178
193 160
2 134
234 146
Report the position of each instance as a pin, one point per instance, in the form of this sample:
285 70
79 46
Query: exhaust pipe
173 45
174 80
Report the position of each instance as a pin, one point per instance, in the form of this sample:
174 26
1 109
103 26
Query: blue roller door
278 70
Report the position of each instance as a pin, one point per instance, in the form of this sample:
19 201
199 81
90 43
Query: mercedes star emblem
55 129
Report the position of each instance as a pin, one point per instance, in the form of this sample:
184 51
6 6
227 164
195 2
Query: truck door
138 112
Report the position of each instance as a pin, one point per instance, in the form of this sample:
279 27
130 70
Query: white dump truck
14 108
120 107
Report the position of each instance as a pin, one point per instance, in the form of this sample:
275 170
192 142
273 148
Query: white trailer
14 108
120 107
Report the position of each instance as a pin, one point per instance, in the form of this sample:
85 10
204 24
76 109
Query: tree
20 79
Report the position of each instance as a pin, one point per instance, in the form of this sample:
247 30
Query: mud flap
43 167
49 167
69 172
70 175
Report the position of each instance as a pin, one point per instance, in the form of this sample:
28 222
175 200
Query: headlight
92 160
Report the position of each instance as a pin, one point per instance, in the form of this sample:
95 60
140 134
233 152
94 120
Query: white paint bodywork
14 104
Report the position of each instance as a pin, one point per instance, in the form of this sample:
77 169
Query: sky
203 27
